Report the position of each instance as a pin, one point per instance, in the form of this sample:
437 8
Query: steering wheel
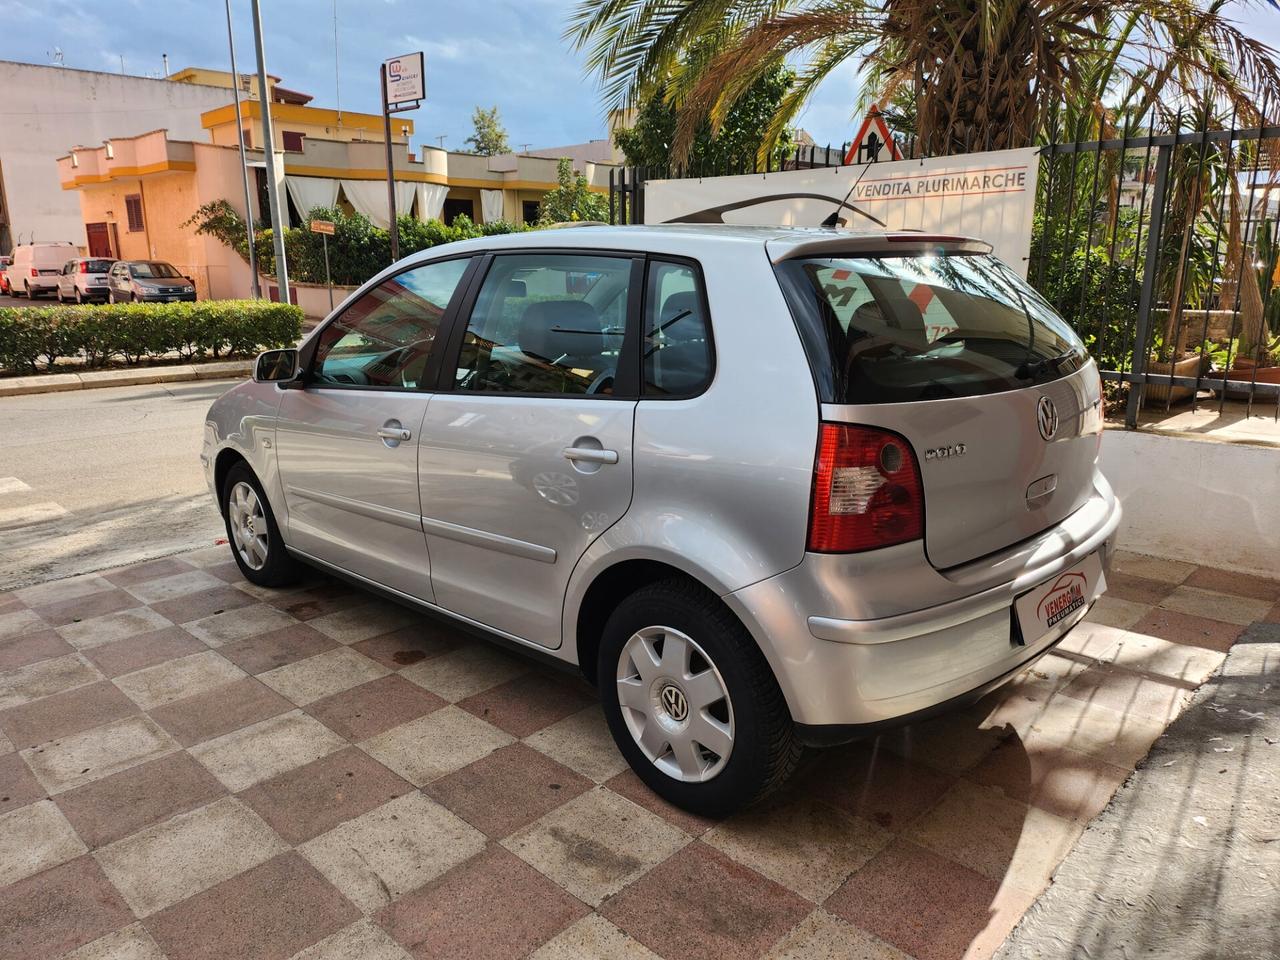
602 383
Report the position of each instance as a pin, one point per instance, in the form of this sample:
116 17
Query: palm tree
977 73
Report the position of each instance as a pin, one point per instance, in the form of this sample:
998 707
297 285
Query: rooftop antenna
337 80
122 64
524 147
165 58
833 220
440 138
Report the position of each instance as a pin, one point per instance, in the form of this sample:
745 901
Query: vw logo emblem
1047 418
674 703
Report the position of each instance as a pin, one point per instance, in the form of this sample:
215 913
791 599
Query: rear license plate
1060 599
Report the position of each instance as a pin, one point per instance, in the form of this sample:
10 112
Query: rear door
347 444
526 458
961 357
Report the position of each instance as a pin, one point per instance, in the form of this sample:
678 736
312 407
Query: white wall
1201 501
48 110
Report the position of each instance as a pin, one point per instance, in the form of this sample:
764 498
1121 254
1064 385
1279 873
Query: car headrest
551 329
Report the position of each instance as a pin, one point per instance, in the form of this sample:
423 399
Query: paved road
99 478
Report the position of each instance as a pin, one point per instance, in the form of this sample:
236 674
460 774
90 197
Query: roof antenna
833 221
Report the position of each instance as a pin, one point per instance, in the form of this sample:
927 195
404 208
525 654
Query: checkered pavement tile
192 767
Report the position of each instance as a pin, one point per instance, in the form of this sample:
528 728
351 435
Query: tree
979 71
572 200
649 140
490 136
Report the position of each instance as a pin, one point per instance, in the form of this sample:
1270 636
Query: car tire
725 692
79 296
252 533
27 289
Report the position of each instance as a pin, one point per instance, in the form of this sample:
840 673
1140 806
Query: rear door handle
590 455
386 433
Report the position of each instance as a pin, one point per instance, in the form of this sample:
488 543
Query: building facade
137 195
45 109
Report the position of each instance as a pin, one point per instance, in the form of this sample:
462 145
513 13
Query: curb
59 382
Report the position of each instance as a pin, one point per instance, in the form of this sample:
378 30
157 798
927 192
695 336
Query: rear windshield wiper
1031 369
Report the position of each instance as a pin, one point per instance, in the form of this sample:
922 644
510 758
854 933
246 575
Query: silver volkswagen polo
763 487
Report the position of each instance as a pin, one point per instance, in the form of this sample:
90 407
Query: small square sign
406 78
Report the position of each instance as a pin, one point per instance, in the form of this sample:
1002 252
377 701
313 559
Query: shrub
32 338
357 250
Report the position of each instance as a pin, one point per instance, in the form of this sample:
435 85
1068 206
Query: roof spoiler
862 244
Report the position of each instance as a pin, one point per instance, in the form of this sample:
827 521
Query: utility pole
244 165
269 154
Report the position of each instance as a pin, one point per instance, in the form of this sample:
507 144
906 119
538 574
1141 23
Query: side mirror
276 366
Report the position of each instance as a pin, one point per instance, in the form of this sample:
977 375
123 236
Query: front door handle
392 433
590 455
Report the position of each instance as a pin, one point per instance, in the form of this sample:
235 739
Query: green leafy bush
35 338
357 249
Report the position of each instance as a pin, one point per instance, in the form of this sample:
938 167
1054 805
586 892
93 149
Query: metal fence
1158 246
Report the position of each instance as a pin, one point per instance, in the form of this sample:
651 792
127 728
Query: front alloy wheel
252 533
248 525
675 704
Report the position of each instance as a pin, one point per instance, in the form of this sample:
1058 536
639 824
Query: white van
36 267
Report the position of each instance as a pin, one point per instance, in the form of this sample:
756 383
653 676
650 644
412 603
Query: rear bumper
858 673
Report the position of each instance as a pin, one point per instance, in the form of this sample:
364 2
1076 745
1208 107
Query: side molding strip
373 511
490 541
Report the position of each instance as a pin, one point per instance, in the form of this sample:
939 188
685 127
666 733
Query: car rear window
97 266
881 329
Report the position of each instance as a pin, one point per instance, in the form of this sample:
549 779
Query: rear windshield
154 269
924 327
97 266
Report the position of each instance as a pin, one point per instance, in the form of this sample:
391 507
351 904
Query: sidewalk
192 767
123 377
1185 862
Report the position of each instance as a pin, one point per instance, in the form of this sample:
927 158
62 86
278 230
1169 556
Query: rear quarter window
894 329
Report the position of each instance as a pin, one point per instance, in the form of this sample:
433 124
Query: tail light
866 491
84 267
35 272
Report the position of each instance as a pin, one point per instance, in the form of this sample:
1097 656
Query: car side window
385 338
548 324
677 340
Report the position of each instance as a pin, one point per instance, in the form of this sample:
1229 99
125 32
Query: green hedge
34 338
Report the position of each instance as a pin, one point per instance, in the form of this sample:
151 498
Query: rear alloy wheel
255 539
691 701
79 296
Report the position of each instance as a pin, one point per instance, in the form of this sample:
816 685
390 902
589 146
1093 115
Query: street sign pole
403 88
391 172
326 229
324 239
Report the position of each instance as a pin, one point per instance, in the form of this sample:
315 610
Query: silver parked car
83 279
764 487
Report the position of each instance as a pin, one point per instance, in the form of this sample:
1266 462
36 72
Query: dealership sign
989 195
405 78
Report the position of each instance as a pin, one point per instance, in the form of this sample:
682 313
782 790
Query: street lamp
269 154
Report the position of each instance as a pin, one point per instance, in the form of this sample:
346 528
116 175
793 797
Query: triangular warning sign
873 142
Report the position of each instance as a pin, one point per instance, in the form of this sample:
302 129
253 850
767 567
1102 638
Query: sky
507 53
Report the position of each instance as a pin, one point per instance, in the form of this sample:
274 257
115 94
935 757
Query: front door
347 443
99 240
528 459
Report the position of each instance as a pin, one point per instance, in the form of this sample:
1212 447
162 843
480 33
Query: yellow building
137 193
